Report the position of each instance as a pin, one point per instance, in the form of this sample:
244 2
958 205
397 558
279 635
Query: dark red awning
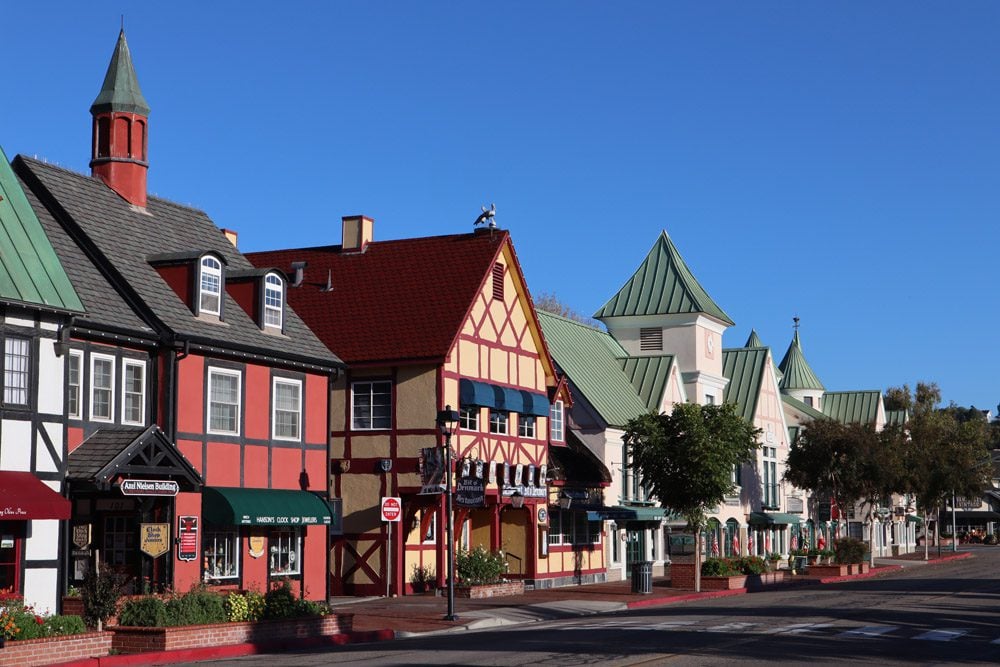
23 496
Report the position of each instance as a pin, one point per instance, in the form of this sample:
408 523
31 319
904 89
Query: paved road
943 614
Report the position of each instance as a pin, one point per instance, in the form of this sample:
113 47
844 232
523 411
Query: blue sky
835 161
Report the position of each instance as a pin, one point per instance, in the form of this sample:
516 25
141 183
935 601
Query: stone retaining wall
491 590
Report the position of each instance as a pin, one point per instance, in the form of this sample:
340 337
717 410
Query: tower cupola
120 129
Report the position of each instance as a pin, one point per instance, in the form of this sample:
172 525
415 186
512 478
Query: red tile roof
398 300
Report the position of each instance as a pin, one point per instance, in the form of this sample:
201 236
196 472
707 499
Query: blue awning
481 394
512 400
535 404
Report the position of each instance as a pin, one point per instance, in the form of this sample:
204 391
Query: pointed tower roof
120 91
754 340
796 373
662 285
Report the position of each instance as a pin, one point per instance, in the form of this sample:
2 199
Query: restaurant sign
470 492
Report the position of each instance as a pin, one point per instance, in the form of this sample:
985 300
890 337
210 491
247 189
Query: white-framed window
286 415
526 426
498 422
429 537
210 286
770 476
74 384
16 368
709 399
224 397
133 392
556 422
468 418
274 300
222 554
102 387
371 405
286 551
466 541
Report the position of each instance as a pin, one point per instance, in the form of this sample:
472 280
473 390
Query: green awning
773 519
633 513
264 507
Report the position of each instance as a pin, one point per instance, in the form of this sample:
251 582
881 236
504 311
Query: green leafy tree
686 459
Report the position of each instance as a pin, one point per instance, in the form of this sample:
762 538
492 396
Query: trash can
642 577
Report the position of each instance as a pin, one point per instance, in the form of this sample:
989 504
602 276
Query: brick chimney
358 232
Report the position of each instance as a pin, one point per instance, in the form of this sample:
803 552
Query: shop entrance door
119 545
635 548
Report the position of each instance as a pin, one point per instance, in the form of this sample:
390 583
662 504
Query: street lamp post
447 421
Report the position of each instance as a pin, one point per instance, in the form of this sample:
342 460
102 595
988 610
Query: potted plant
422 578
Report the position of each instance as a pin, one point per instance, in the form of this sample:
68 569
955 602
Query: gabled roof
754 340
744 368
649 376
404 299
118 451
897 417
120 90
662 285
30 271
592 360
801 407
577 465
91 225
795 370
852 407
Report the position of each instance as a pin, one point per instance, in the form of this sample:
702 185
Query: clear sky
835 161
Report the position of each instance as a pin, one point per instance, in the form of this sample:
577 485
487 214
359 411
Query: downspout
331 560
170 422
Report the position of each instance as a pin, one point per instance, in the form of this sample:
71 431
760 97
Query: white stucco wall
15 445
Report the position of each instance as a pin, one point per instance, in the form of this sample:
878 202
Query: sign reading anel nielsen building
149 487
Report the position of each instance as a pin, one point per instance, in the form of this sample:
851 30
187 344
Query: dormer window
210 290
274 300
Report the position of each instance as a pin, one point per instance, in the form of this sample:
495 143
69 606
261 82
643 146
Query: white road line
943 635
869 631
731 627
797 628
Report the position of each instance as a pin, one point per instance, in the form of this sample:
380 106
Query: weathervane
795 321
487 217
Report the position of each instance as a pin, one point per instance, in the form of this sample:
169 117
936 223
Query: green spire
662 285
754 340
796 373
120 91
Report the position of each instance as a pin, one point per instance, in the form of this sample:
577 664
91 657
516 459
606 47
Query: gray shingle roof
97 451
125 237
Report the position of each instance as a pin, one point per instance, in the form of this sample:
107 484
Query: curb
230 651
704 595
884 569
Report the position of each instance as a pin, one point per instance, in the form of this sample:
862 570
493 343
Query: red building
197 399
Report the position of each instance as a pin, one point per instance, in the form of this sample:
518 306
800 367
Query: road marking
943 635
797 628
731 627
869 631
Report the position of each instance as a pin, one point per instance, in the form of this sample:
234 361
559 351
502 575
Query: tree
686 459
550 303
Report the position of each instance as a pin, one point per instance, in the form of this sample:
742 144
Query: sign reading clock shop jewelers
149 487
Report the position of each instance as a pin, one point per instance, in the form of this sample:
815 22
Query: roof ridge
572 321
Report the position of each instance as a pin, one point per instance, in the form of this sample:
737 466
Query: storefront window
286 552
10 549
221 554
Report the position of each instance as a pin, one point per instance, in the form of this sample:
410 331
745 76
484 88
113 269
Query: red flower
39 620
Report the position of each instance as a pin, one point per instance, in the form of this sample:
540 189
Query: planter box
31 652
828 570
724 583
144 640
490 590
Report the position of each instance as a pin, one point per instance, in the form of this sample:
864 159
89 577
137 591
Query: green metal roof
852 407
30 271
754 340
793 433
795 403
591 359
744 368
120 91
796 373
649 376
897 417
662 285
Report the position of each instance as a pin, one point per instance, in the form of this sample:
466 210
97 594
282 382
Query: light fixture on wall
565 500
516 500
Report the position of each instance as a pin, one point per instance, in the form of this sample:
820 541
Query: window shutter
651 339
498 282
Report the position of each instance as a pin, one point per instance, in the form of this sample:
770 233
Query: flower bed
144 640
32 652
483 591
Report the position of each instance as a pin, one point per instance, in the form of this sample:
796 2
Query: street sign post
392 508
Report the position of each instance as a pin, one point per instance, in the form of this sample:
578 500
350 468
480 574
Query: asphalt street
942 614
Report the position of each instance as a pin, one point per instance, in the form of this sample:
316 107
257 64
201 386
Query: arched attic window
274 300
210 286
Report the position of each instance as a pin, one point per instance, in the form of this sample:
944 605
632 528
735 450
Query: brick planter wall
31 652
721 583
828 570
143 640
491 590
682 575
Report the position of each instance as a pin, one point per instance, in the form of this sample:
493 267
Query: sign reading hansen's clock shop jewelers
149 487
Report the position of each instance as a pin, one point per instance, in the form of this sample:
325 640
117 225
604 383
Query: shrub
237 609
480 566
990 539
280 602
100 593
849 550
143 613
197 607
422 577
255 605
774 557
718 567
752 565
60 625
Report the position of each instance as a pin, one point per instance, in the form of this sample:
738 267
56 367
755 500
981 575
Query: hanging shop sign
154 539
470 492
526 491
431 470
255 546
543 516
187 530
81 535
149 487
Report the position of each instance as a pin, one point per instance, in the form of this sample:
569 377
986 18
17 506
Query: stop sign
392 508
